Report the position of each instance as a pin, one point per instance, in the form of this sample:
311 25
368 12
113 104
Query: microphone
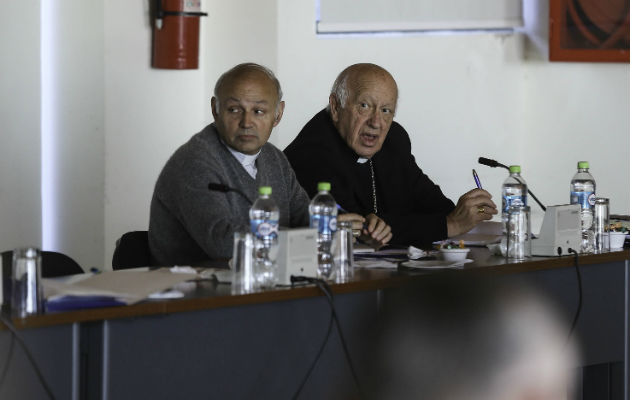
220 187
493 163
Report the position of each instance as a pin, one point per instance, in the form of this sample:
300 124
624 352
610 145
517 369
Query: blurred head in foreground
456 338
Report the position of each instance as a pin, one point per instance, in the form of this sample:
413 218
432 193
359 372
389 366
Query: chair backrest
53 264
132 250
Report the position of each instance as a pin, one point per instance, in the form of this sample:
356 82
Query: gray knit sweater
190 224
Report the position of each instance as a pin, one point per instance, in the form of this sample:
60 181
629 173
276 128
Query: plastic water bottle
514 193
323 212
583 193
264 216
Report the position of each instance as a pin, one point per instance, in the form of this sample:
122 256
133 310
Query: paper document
360 248
484 233
375 264
126 286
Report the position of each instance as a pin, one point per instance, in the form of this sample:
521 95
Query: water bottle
323 212
514 193
583 193
264 216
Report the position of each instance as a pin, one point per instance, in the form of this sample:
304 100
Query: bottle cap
323 186
582 164
515 169
266 190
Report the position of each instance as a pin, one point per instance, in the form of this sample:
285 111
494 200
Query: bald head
247 104
357 75
362 104
246 71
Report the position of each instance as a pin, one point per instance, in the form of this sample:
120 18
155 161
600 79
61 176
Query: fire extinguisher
176 34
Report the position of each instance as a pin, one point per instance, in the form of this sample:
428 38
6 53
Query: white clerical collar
248 161
362 160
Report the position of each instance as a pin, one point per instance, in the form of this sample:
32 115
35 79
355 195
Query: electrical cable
325 288
30 357
316 359
579 281
5 370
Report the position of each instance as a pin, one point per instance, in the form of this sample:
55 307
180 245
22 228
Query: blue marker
476 177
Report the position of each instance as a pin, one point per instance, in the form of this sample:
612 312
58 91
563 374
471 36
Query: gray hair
340 87
243 68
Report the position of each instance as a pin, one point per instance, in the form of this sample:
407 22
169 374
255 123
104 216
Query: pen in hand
476 177
342 210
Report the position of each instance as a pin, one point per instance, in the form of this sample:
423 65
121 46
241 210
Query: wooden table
212 344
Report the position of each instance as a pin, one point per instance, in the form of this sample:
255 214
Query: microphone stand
498 164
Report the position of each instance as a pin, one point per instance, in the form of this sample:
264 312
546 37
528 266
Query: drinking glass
343 252
600 224
243 261
519 244
26 287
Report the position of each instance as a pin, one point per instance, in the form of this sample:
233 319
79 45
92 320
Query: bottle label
584 199
264 229
513 200
325 224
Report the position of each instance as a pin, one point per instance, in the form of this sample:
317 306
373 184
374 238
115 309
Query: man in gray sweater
189 223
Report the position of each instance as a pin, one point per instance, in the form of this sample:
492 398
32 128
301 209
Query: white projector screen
339 16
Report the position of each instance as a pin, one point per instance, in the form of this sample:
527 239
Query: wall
51 163
147 114
20 209
574 111
470 95
74 122
150 112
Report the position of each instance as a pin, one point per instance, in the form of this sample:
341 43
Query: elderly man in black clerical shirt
356 145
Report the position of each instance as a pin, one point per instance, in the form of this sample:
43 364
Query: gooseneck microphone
493 163
220 187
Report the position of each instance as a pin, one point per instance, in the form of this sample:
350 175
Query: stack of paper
109 288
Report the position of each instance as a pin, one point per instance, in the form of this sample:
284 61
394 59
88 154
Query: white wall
574 111
150 112
20 206
77 128
52 86
465 96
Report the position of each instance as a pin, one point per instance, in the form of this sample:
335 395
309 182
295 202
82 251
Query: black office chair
53 264
132 250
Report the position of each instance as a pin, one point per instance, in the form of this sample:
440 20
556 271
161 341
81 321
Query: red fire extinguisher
176 34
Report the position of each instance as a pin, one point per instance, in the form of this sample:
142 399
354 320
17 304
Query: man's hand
356 219
376 233
472 208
